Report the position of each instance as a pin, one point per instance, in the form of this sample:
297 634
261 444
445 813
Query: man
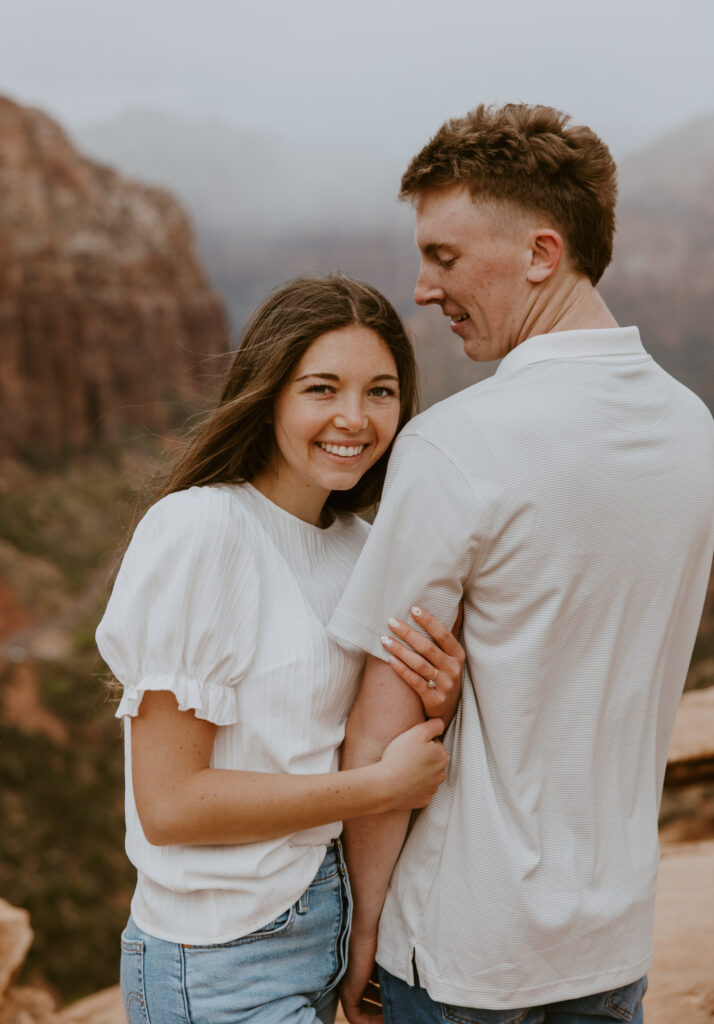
568 501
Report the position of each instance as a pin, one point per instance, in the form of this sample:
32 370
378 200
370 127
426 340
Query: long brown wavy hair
235 442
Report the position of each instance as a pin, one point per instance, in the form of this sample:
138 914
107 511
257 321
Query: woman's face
333 419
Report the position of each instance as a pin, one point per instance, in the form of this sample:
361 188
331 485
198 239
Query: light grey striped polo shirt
569 499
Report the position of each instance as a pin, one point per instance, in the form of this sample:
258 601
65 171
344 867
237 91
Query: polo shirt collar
587 344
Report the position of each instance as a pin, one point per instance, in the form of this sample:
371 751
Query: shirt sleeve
183 613
421 549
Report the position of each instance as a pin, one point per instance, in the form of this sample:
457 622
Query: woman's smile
341 450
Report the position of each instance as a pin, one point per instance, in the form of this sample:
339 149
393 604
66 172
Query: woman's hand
415 766
432 668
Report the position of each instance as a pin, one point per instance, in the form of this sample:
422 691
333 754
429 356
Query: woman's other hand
432 667
415 765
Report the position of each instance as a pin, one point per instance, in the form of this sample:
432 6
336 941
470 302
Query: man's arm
384 708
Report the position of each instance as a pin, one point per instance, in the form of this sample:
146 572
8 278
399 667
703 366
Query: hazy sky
375 75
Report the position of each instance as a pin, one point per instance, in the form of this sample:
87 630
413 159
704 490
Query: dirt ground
682 978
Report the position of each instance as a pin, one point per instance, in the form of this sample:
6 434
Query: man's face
474 261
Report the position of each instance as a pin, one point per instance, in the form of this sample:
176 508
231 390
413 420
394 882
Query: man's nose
425 290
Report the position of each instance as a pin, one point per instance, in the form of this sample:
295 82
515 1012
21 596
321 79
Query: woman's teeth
344 450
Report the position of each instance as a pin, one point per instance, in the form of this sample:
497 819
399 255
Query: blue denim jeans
286 971
405 1004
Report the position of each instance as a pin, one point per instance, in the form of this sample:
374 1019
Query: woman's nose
351 416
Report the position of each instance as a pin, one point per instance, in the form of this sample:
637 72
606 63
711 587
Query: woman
235 697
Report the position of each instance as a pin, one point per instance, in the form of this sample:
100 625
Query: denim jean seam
136 949
132 946
184 984
447 1011
257 936
336 943
325 878
387 1001
624 1012
627 1012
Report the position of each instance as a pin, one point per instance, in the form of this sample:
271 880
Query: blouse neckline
289 517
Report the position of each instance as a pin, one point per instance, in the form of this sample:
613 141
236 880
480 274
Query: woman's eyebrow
322 376
334 376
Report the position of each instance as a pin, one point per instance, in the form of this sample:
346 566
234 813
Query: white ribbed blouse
223 598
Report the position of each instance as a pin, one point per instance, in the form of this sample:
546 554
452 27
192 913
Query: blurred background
163 165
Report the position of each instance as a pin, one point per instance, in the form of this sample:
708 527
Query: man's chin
477 350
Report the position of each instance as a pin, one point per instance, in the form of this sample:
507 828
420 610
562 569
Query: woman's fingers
431 665
422 645
418 651
434 698
422 665
444 638
441 634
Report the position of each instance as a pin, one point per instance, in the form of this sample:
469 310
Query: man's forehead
452 215
439 202
442 215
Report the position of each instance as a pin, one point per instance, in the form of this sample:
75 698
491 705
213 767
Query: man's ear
546 247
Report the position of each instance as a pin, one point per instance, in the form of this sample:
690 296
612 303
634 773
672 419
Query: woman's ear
546 246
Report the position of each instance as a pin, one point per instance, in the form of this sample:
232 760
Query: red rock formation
15 940
105 314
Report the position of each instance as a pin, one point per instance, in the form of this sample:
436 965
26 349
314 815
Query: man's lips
457 322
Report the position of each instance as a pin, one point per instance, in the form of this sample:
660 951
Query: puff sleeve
183 614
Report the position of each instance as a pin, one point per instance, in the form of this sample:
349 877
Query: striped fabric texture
569 500
223 598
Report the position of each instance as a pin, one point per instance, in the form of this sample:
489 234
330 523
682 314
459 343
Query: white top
569 498
223 598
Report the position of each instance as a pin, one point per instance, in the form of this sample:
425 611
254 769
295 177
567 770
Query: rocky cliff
105 314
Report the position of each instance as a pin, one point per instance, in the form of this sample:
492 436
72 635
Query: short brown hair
530 156
236 442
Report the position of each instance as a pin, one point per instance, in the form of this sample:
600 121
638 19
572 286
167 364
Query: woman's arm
181 800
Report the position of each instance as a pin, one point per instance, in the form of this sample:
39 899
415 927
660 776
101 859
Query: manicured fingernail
393 623
416 611
387 641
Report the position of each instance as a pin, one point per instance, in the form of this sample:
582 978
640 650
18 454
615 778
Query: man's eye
447 264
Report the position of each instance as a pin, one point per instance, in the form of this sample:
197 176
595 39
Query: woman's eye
382 391
318 389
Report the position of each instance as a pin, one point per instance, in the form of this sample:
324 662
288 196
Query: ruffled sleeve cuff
212 702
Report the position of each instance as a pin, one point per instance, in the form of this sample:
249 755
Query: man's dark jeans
404 1004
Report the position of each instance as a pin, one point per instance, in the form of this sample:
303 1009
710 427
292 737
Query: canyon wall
106 317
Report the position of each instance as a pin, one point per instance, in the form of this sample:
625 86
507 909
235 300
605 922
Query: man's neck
573 305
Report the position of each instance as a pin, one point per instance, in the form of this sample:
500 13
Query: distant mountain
243 181
662 277
265 211
675 173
